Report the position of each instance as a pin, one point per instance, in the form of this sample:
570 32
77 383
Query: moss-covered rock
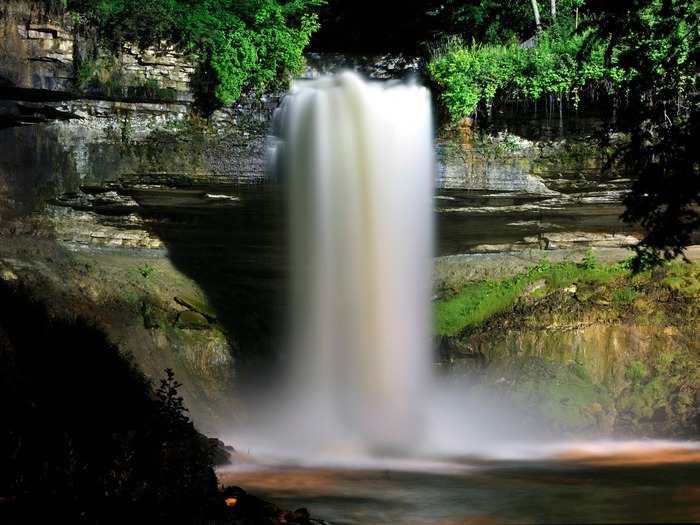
620 356
189 320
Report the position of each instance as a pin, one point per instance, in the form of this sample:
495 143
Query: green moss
565 396
683 278
476 303
146 270
664 361
479 301
580 371
636 371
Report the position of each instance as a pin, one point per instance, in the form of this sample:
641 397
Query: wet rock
660 415
556 240
107 201
196 305
220 452
87 228
189 320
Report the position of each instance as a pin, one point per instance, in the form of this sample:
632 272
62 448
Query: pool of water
650 482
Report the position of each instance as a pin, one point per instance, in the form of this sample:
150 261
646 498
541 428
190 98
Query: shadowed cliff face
83 432
34 167
36 47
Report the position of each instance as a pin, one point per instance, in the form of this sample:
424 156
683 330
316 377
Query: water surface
654 483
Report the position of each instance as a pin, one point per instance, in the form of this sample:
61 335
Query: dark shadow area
237 252
84 437
364 26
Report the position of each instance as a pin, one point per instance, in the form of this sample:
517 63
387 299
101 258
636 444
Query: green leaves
473 77
248 44
657 46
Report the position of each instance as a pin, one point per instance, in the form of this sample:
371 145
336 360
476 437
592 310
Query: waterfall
358 160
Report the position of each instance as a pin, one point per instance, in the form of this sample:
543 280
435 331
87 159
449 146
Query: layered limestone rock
36 47
41 49
571 162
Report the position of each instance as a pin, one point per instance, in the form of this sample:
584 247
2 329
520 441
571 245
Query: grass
625 295
146 270
479 301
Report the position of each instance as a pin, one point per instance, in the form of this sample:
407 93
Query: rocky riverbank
586 348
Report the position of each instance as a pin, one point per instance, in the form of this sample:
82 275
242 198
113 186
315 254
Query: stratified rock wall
41 49
36 47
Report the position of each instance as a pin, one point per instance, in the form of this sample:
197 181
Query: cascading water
358 158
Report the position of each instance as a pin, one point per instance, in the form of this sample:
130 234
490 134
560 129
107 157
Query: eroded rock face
57 139
593 360
505 161
59 146
41 50
36 47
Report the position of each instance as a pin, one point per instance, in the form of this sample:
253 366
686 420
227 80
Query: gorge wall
97 112
74 112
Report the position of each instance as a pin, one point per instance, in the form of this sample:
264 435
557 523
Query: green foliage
636 371
589 261
683 278
478 301
86 73
172 404
625 295
497 22
252 44
146 270
472 77
657 47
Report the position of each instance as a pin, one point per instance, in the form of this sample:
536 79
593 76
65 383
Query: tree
656 45
243 45
536 12
553 9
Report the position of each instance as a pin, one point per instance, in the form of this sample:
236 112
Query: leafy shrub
252 44
657 46
472 77
146 270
